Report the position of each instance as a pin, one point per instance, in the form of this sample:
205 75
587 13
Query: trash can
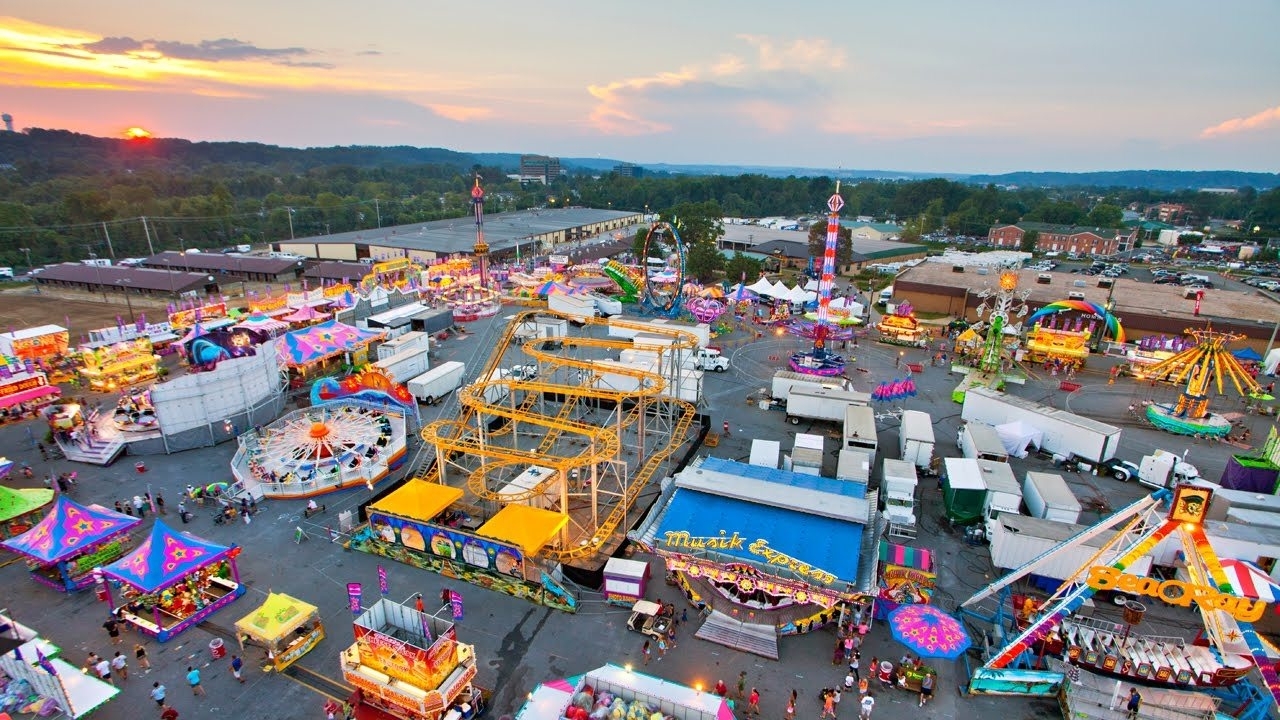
217 649
140 466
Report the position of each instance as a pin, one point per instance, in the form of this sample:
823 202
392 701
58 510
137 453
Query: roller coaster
604 430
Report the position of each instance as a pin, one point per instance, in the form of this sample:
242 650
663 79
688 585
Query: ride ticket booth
625 581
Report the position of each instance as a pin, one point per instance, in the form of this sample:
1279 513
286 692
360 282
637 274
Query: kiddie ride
1050 633
650 618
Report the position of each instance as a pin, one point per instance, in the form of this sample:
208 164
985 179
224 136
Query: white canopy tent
1017 435
1271 362
761 287
780 290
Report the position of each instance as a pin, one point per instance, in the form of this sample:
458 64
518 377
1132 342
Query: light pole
27 252
127 301
290 222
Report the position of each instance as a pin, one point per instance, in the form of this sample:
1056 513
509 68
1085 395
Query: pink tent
307 314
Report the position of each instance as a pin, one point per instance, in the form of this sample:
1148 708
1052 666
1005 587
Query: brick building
1063 238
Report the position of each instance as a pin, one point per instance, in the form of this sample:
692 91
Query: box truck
784 380
405 365
437 382
860 430
1004 495
980 441
579 308
963 490
1065 434
412 340
854 466
1047 496
915 437
1017 540
899 492
821 404
497 394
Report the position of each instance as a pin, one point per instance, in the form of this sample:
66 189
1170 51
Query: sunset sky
941 86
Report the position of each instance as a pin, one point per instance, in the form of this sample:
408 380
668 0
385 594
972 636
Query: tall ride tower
481 248
820 360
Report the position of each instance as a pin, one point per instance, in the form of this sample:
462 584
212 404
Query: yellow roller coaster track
449 436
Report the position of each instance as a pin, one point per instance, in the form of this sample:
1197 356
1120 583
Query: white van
6 272
885 296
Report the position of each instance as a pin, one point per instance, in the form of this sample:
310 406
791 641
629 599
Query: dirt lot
21 308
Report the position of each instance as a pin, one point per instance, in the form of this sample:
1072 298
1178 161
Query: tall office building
539 166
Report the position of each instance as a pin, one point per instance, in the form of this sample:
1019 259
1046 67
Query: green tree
1190 239
1059 212
818 243
704 261
1105 215
1029 240
637 244
740 266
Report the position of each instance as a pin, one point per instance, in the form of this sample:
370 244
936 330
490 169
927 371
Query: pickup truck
710 359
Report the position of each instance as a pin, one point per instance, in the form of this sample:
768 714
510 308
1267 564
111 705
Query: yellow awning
275 618
528 528
418 500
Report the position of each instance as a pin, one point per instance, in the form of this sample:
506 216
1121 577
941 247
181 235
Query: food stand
173 581
64 547
287 627
622 692
21 509
625 580
112 367
24 391
45 342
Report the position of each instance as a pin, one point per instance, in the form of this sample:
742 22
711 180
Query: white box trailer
860 430
1017 540
899 492
1004 494
1048 496
437 382
528 481
980 441
406 365
629 327
606 305
765 453
784 380
853 465
497 394
915 437
412 340
808 451
822 404
1065 433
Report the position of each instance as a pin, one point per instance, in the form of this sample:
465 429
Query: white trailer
765 453
437 382
497 394
578 307
807 453
405 365
526 482
784 380
412 340
1004 495
860 430
821 404
629 327
1065 433
916 438
853 465
899 492
980 441
606 305
1017 540
1047 496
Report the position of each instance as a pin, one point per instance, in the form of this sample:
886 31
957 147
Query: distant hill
1150 179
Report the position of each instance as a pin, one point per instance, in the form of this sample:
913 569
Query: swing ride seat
1068 386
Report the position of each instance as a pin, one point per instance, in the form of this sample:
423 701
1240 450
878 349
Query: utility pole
110 250
290 222
377 211
147 231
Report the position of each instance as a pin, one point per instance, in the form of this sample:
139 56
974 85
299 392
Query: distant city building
875 231
539 167
1064 238
7 119
628 170
1172 213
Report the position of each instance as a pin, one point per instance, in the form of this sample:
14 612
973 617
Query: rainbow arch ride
1227 617
1084 306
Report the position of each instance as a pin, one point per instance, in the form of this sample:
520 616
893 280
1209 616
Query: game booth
112 367
65 547
312 350
416 525
35 680
409 664
1059 347
906 577
172 581
287 627
21 508
620 692
23 391
45 342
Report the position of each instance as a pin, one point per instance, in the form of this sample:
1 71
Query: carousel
287 627
902 328
321 449
1201 367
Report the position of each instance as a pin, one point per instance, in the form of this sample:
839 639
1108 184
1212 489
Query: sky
918 85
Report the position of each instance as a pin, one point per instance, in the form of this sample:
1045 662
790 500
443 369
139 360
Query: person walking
103 668
849 680
419 605
44 452
646 652
662 647
120 666
140 505
1134 703
855 664
848 647
193 679
753 702
157 693
168 712
140 654
160 504
182 511
828 706
742 685
926 688
112 626
791 706
726 427
868 704
236 665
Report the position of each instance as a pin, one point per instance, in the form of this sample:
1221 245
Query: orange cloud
460 113
612 118
1257 121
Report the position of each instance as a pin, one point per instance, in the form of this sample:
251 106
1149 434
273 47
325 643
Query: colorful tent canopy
528 528
164 558
318 342
551 287
418 500
307 313
275 618
262 323
1247 354
68 529
18 502
6 466
1248 580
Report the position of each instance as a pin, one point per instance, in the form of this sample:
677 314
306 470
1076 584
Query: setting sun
137 133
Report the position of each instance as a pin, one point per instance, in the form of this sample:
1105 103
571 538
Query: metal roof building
145 281
533 230
247 267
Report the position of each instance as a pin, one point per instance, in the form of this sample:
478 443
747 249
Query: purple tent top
315 343
307 313
164 558
68 530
